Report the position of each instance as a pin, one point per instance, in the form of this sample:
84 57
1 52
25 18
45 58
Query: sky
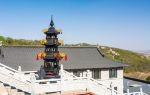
117 23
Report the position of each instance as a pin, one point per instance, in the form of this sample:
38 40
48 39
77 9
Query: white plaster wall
116 82
120 73
104 74
105 80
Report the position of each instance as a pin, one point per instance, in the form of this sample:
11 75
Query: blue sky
117 23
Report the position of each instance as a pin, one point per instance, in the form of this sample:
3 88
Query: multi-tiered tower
51 55
51 63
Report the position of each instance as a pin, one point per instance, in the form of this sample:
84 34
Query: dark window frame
113 73
96 73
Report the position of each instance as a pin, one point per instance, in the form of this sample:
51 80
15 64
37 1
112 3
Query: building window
112 73
96 74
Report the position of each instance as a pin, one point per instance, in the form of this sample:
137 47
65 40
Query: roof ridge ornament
52 22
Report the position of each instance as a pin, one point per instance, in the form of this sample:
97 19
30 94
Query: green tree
2 38
9 41
148 78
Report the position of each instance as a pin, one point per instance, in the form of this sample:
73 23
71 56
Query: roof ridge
103 55
43 46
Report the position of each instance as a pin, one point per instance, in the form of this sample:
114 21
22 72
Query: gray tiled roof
78 58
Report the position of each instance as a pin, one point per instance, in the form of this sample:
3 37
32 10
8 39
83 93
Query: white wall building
80 60
108 76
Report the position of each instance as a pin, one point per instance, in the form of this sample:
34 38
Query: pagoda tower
51 54
51 63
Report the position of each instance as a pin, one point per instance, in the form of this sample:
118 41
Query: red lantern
41 55
37 57
60 58
66 57
56 55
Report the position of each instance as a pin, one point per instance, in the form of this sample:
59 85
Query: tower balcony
49 57
52 42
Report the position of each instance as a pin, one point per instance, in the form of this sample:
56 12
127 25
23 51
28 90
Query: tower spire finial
52 22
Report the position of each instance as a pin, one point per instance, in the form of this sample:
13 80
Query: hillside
145 53
11 41
139 65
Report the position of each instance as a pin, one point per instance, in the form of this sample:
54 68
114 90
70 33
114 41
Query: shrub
148 78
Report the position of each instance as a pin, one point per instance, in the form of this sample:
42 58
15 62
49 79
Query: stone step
20 93
3 90
8 88
78 92
13 92
56 93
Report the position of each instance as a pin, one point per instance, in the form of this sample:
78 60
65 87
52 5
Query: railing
99 88
59 85
135 93
13 72
11 78
8 68
47 85
74 84
65 73
28 72
70 82
27 82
